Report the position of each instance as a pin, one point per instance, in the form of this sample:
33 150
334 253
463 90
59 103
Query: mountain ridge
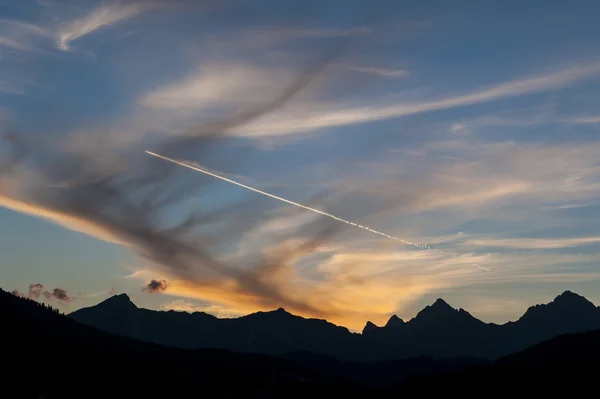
36 331
438 330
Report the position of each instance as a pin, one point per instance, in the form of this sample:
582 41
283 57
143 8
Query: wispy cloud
374 70
583 120
220 311
9 42
101 17
352 285
521 119
23 26
340 115
10 87
270 37
230 84
219 84
20 35
535 243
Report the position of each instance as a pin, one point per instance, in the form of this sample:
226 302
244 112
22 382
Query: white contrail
420 246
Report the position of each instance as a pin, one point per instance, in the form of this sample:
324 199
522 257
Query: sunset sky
470 128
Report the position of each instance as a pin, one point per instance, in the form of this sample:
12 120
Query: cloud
270 37
534 243
244 258
8 42
583 120
21 36
336 115
10 87
92 192
218 84
22 26
373 70
59 294
291 259
230 84
18 293
519 118
110 292
35 290
460 174
156 286
101 17
220 311
355 285
459 129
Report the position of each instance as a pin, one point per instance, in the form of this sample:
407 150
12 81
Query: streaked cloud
447 183
269 37
223 84
355 285
101 17
236 83
10 88
182 305
20 35
69 221
375 70
339 115
8 42
583 120
534 243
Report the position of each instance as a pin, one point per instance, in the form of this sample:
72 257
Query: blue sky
470 126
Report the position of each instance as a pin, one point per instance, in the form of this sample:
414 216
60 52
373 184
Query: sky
466 126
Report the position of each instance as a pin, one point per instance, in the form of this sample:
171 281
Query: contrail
329 215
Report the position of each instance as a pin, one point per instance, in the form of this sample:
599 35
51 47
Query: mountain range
49 355
437 331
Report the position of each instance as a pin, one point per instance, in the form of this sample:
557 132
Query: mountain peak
395 321
569 297
369 327
439 310
565 306
120 300
441 304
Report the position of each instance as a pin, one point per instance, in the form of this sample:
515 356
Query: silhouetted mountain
382 373
437 331
442 331
46 348
568 313
274 333
566 351
567 363
50 355
394 321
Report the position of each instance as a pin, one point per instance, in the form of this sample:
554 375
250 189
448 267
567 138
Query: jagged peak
571 297
440 303
565 304
120 300
270 313
369 327
395 321
438 310
568 299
